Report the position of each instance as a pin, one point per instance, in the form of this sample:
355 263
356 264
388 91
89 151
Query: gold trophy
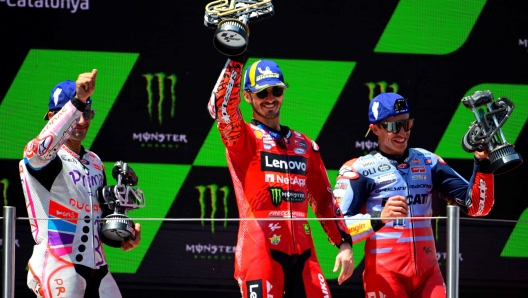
230 19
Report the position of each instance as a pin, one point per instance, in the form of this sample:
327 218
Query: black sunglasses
275 91
395 126
88 114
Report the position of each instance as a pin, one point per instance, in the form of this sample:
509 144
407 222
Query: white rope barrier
452 234
229 219
272 219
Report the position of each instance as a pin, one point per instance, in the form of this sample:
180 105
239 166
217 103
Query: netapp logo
281 163
72 5
284 179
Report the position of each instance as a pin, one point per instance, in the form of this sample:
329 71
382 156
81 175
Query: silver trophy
121 198
230 19
486 131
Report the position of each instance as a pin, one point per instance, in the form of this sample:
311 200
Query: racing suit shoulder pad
347 170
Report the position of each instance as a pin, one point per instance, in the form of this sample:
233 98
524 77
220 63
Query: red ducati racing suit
68 258
402 262
275 175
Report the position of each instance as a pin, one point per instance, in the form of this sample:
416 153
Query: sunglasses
88 114
395 126
275 91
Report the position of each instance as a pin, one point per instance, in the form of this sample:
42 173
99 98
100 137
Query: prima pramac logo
161 104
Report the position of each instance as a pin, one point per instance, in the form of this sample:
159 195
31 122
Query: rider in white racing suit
59 180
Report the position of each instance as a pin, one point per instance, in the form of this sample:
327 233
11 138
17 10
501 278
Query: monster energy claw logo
383 87
278 195
160 139
213 188
161 77
5 183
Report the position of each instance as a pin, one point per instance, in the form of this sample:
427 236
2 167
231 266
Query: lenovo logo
281 163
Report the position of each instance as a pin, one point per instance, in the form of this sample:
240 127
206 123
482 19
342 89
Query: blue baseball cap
263 74
387 105
61 94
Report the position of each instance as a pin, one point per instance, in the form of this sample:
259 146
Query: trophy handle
218 7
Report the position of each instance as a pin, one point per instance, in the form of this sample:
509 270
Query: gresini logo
5 184
211 251
280 163
278 195
71 5
213 190
383 87
156 103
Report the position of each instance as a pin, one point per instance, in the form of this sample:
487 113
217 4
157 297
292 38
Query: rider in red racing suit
275 173
400 261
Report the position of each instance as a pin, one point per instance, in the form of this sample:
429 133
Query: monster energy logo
213 188
383 87
160 139
5 183
161 77
278 195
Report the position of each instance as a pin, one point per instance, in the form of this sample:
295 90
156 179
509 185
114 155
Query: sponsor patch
254 288
368 163
415 161
270 162
419 177
275 239
384 168
44 144
402 166
299 151
419 169
278 195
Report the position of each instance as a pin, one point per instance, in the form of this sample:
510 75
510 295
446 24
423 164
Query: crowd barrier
452 244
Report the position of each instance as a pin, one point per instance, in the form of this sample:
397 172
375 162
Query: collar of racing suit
397 158
283 133
280 137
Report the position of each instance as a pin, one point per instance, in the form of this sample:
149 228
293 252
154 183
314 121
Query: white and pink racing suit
60 191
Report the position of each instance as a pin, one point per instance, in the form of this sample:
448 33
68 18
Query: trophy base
231 37
119 226
504 159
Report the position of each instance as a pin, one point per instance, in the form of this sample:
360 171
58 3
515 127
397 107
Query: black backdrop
152 39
